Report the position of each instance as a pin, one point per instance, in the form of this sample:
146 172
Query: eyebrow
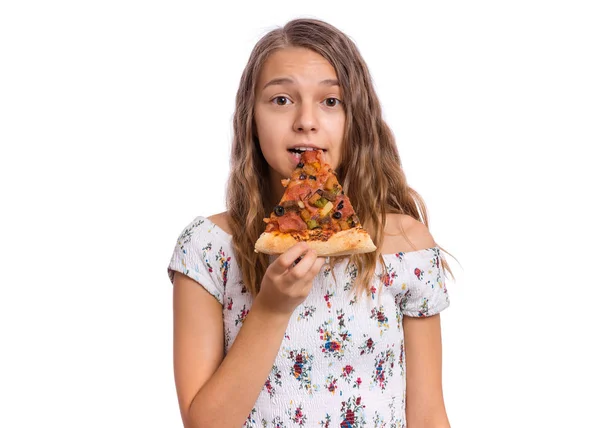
283 80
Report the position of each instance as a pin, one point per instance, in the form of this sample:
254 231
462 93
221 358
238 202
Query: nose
306 119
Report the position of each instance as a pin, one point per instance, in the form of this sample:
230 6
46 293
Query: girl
268 342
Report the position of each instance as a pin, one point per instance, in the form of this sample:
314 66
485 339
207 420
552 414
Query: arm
216 390
213 390
423 352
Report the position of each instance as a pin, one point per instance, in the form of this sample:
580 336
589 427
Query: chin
280 172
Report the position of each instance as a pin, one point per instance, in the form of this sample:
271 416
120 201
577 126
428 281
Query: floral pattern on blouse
341 360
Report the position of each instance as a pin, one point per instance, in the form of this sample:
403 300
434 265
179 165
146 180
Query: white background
115 129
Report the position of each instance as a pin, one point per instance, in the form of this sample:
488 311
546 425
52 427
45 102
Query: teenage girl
262 341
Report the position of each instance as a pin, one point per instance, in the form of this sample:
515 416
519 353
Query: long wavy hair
367 141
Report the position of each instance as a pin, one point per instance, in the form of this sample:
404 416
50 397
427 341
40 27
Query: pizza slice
314 209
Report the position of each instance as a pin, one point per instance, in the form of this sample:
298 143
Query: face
298 104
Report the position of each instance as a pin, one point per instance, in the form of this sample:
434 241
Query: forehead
301 64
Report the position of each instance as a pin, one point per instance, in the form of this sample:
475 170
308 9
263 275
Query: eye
280 101
331 102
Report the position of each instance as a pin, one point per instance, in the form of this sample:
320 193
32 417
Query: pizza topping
314 198
298 192
326 220
329 195
321 202
326 208
346 209
291 205
311 156
331 181
312 209
312 224
291 222
306 215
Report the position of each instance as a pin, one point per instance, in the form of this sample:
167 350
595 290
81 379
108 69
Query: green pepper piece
312 224
321 202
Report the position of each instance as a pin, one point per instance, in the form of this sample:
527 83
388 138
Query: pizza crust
350 241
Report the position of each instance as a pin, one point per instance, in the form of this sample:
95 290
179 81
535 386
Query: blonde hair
367 137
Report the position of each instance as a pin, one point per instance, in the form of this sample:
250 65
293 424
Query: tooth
305 149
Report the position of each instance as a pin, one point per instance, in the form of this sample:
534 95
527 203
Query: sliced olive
300 165
337 215
340 205
303 176
279 210
312 177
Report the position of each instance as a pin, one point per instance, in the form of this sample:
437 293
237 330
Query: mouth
300 150
296 152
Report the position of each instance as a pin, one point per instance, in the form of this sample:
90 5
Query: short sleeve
201 254
426 292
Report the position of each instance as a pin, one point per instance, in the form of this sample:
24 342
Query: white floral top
341 360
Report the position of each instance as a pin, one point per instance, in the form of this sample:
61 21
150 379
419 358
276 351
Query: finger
285 260
318 264
302 267
314 270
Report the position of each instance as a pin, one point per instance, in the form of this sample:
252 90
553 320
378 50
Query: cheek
341 125
335 125
338 136
267 128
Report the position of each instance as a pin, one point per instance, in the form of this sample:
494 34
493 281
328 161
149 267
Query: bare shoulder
221 220
417 233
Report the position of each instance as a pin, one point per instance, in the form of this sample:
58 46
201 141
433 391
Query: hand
286 285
